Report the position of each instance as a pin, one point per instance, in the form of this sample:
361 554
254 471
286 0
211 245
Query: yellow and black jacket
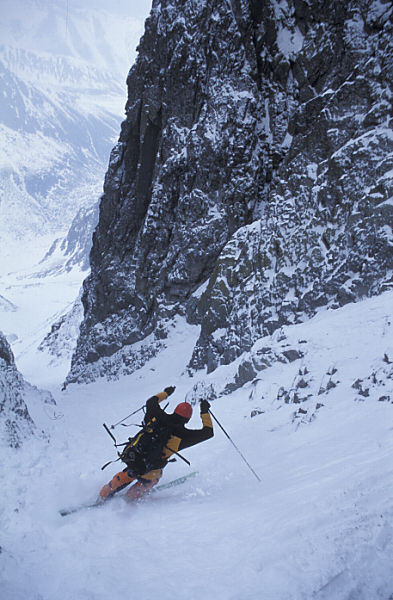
181 437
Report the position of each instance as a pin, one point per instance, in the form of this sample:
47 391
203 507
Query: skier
180 438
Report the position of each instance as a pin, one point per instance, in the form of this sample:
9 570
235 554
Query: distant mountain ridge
54 150
252 182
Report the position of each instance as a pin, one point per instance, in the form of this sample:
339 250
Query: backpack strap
109 463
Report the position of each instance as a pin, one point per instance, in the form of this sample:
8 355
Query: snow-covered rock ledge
16 424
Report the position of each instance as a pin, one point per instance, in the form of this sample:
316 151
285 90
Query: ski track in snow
318 525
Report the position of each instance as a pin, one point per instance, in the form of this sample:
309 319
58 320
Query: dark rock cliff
256 161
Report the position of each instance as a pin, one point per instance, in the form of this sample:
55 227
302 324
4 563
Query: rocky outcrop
252 181
182 179
15 421
324 237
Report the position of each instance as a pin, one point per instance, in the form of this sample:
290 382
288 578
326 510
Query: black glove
169 390
204 406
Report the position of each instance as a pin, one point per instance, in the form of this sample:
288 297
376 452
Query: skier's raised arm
195 436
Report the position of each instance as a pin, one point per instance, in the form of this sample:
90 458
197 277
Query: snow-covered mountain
53 149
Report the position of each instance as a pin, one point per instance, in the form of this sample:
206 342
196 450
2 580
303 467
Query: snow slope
35 292
319 524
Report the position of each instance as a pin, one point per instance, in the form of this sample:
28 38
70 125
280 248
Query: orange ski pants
122 480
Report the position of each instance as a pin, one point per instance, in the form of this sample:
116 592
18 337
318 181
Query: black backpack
143 451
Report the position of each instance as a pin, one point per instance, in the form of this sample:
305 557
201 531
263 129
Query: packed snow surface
318 524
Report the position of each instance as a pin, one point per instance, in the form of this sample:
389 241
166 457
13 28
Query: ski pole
125 418
233 444
111 434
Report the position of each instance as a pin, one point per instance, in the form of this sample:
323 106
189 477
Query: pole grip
112 436
127 417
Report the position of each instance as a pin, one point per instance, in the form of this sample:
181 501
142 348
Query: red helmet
184 410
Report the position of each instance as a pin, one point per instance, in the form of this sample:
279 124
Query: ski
178 481
69 511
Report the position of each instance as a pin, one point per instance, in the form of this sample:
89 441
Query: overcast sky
130 8
83 29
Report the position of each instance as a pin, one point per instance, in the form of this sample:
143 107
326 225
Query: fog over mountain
62 72
101 34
